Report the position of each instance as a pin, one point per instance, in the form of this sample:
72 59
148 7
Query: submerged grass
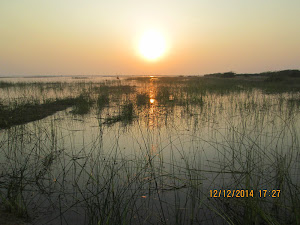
22 114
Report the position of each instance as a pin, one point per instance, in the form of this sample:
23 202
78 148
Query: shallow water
158 166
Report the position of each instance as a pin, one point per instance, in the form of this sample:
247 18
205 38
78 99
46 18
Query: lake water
160 151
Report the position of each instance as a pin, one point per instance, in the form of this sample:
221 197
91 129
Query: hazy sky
44 37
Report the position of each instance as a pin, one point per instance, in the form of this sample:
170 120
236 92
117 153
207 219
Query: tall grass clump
142 99
102 100
163 94
12 198
82 105
25 112
125 116
127 112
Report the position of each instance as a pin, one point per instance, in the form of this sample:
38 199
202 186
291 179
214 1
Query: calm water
159 165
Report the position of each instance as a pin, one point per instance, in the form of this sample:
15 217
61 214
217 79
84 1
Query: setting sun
152 45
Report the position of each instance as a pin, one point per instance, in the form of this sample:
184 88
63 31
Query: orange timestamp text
244 193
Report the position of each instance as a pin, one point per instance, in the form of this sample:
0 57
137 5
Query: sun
152 45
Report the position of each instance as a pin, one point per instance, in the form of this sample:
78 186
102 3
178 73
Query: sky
96 37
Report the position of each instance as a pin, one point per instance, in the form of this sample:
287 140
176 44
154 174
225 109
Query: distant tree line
272 75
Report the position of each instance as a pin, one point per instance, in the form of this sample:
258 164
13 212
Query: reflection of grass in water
132 190
125 116
12 198
251 166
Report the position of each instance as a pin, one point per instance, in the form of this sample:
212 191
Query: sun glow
152 45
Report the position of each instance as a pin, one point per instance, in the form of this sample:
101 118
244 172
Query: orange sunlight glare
152 45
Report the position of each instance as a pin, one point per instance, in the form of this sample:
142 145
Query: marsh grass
212 134
102 100
13 200
82 105
142 99
114 88
125 116
28 112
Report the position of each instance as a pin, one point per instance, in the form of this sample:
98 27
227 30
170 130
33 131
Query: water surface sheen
152 150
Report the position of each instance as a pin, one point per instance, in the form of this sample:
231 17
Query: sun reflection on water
152 112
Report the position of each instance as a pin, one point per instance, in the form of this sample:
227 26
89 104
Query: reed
129 161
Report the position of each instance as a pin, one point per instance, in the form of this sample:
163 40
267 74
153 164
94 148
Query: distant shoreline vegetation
282 74
230 74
